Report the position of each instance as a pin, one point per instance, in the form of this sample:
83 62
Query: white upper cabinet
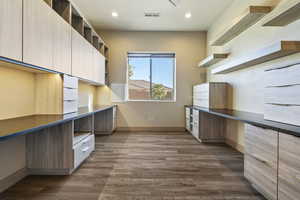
99 67
62 43
38 35
11 29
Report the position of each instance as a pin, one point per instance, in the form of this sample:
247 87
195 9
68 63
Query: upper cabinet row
48 41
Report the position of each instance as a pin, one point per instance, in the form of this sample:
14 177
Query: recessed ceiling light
114 14
188 15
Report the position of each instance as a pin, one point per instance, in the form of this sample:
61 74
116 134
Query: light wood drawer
289 167
70 106
287 95
70 82
83 149
70 94
284 76
261 175
288 114
261 159
262 143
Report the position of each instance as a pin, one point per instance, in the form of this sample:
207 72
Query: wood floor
146 166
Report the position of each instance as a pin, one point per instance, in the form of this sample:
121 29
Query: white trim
174 78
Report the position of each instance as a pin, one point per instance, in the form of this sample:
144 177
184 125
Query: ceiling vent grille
175 3
152 14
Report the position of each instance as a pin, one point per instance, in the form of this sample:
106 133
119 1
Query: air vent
175 3
152 14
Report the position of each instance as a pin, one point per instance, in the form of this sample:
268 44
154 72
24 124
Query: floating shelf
278 50
213 59
249 18
288 16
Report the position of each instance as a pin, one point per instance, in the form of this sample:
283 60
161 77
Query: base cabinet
289 167
105 122
261 159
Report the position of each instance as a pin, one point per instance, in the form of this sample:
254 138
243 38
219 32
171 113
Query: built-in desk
58 144
28 124
251 118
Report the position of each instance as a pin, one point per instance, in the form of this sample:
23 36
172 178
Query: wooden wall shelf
278 50
213 59
249 18
288 16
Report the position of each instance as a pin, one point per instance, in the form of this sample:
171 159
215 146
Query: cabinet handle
261 160
85 149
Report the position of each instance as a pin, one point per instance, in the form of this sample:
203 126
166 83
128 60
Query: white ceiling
131 14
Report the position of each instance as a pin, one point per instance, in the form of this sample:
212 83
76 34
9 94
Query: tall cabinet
11 29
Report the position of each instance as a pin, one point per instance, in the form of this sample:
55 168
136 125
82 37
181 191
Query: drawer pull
85 149
260 160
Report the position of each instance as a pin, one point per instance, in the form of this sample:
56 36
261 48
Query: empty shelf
278 50
213 59
250 17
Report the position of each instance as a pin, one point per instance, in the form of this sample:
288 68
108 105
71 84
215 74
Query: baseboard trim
151 129
235 145
13 179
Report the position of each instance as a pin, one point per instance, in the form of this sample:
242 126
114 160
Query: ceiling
131 14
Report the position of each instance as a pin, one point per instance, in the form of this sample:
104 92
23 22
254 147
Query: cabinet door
88 66
61 44
38 36
77 54
261 158
289 167
99 67
11 29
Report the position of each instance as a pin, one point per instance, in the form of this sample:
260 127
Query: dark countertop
252 118
28 124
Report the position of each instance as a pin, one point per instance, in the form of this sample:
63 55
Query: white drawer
202 88
283 76
285 95
83 149
70 82
70 94
201 102
201 95
70 106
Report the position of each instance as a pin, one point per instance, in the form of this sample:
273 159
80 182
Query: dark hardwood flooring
146 166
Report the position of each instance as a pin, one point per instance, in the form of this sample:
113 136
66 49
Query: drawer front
70 106
286 95
83 150
201 88
282 77
201 102
70 94
201 95
289 167
70 82
187 113
262 144
288 114
262 176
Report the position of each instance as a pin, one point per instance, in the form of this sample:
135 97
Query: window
151 77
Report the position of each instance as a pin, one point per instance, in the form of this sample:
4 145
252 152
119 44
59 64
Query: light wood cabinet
98 67
11 29
211 95
261 159
289 167
62 43
38 34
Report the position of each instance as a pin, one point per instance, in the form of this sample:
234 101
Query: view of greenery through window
151 76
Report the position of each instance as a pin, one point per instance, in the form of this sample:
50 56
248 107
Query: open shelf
213 59
278 50
288 16
249 18
87 32
96 42
63 8
77 21
49 2
105 51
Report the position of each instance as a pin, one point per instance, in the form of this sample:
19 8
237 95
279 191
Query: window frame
174 77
